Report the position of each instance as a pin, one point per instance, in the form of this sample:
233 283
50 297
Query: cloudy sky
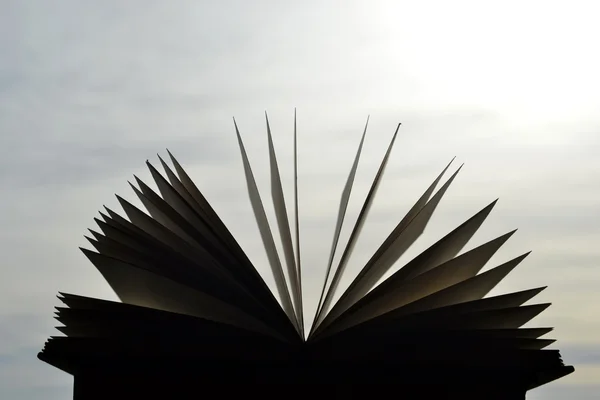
91 89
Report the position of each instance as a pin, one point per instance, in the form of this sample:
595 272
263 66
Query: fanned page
193 304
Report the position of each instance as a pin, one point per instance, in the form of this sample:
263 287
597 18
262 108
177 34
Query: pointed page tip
163 163
512 232
487 209
523 256
491 205
539 289
152 169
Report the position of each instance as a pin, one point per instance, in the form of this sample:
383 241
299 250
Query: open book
191 300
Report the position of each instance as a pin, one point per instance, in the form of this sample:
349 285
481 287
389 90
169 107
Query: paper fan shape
196 317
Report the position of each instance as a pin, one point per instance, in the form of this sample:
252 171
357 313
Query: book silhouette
196 319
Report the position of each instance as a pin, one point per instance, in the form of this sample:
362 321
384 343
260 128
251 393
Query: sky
89 90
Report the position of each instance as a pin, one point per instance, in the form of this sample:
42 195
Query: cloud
89 91
557 391
76 161
582 354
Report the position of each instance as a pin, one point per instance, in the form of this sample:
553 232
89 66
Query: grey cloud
581 354
17 332
89 91
23 376
48 392
560 392
75 162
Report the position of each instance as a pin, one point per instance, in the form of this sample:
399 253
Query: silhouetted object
196 318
